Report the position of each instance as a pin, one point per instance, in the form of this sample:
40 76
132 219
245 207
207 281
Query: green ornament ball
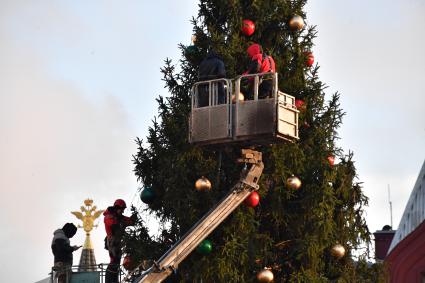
190 51
205 247
147 195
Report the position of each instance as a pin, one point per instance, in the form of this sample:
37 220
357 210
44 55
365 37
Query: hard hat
120 203
254 49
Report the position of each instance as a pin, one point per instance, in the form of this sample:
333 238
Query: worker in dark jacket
260 63
62 251
211 68
115 223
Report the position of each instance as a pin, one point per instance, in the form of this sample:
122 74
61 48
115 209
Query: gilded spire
88 215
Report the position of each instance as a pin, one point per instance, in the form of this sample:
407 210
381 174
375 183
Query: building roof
414 213
407 260
46 280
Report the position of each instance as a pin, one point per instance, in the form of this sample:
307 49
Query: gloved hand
76 247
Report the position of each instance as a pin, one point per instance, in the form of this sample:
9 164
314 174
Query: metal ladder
161 269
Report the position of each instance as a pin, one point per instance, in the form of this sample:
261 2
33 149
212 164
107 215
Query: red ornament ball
252 200
248 27
300 104
310 59
331 160
127 263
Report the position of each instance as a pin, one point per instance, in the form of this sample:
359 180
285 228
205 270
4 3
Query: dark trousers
265 90
63 272
203 94
113 269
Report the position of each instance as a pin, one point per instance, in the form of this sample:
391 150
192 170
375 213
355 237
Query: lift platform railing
215 88
212 88
87 273
210 117
255 80
169 262
267 112
265 115
218 91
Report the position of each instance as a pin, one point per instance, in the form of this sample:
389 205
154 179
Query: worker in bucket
260 63
211 68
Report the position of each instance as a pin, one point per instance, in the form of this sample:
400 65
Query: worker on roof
211 68
62 252
115 224
260 63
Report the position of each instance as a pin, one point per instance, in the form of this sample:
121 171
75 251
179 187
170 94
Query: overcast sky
78 82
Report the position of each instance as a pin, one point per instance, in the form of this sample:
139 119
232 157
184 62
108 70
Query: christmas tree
294 232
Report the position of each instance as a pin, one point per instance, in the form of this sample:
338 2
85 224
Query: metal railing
75 273
263 112
255 80
209 96
212 88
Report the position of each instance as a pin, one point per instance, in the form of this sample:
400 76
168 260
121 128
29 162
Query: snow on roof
414 213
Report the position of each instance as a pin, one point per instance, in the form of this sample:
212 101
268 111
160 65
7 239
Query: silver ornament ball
296 23
265 276
293 182
338 251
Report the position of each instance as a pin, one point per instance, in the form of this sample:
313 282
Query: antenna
391 206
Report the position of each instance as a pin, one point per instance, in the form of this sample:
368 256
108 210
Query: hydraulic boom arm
161 269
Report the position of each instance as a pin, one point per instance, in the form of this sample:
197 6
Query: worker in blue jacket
211 68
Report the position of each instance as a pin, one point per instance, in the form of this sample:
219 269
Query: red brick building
406 254
383 239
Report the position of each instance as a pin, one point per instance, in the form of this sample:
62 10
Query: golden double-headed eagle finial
88 215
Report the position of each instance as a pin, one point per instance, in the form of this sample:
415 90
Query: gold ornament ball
203 184
265 276
296 23
338 251
293 182
241 97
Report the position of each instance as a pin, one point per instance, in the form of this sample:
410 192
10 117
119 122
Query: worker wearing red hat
115 223
260 63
